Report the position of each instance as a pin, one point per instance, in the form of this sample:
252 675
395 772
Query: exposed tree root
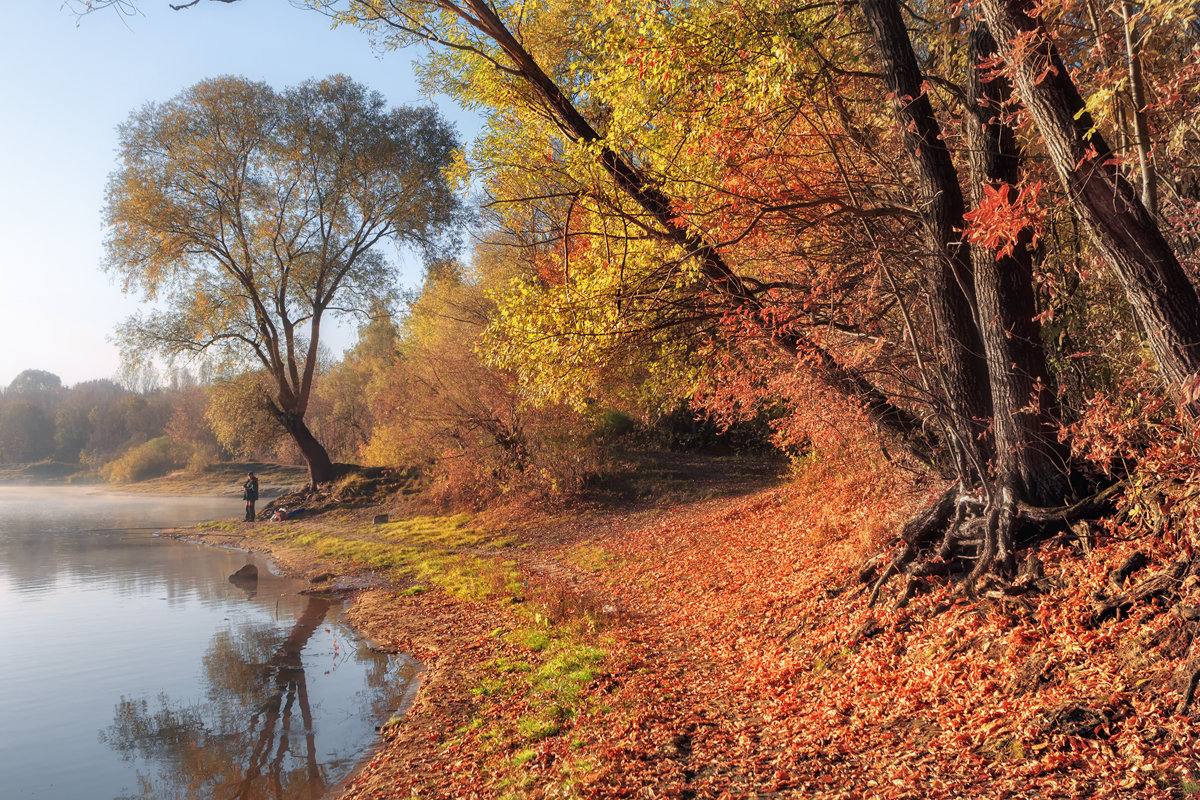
1091 507
1136 561
1189 693
967 534
918 532
1161 585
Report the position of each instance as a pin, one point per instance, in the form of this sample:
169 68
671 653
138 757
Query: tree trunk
320 468
1028 456
1141 129
1124 233
950 280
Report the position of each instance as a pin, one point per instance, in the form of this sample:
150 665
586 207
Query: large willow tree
251 214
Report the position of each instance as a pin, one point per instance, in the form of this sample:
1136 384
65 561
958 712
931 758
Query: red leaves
735 670
1003 220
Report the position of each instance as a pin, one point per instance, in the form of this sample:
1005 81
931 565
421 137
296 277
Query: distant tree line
91 423
416 390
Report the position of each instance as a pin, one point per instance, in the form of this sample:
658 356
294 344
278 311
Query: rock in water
247 574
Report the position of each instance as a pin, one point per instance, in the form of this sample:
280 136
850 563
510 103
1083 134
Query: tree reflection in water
254 737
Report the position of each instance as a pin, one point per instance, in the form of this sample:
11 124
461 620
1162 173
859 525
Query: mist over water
132 667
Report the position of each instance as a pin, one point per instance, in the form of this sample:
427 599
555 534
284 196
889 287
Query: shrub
150 460
201 458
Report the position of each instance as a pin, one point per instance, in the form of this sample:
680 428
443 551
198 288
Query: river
131 667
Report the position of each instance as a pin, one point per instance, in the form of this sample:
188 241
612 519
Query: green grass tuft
446 552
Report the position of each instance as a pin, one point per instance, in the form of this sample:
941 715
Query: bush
201 458
150 460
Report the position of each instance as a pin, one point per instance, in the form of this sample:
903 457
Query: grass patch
536 640
217 525
447 552
552 683
571 666
474 724
523 757
589 556
374 554
490 687
468 576
1005 748
507 666
444 533
539 726
568 666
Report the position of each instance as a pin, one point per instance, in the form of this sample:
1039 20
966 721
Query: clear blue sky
65 88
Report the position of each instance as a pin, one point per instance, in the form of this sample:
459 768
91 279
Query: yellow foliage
239 412
150 460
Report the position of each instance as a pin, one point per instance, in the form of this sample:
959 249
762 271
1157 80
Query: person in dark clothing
250 495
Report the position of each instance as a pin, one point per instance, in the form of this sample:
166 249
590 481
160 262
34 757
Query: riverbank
223 479
722 646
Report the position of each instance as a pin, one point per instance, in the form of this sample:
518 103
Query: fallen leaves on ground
742 661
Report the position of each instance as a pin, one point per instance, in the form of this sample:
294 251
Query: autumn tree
659 163
251 214
1121 226
189 429
533 69
26 433
34 381
556 73
444 406
27 410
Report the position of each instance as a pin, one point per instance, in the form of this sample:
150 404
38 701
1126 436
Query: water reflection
238 744
253 738
145 673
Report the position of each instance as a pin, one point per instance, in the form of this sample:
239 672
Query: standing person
250 495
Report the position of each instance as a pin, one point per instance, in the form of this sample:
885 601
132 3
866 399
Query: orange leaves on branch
1003 219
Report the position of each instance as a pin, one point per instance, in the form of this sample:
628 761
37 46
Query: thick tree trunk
950 280
320 468
1029 459
1124 233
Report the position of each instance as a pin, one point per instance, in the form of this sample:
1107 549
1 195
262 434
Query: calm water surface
130 667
